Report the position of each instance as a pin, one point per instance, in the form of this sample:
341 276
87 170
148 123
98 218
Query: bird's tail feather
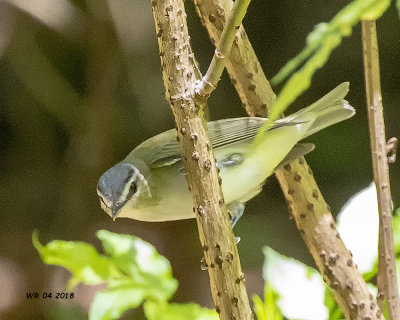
330 109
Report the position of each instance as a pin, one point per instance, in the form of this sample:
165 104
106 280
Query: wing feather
163 149
221 132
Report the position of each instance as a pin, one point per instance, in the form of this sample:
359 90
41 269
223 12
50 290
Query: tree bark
306 203
387 282
215 231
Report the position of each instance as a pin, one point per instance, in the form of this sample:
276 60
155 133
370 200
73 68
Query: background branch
243 67
215 231
309 209
217 65
387 282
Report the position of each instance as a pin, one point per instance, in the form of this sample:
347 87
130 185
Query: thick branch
387 282
215 231
306 202
318 228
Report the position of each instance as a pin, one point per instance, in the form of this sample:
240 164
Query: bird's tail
330 109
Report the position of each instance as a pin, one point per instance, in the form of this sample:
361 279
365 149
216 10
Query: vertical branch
306 203
387 282
215 231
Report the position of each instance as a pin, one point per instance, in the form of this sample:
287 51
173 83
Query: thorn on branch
391 149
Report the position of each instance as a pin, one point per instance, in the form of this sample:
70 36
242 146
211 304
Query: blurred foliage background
80 86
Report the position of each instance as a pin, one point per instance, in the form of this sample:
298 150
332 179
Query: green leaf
134 271
369 275
112 303
376 9
141 262
396 231
398 7
398 272
132 268
188 311
333 308
134 254
300 287
269 309
341 24
396 240
320 43
80 258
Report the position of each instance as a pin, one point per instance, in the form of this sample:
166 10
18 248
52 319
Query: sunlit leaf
267 309
131 250
376 10
398 272
141 262
131 267
80 258
341 24
396 232
300 287
112 303
361 211
333 308
320 43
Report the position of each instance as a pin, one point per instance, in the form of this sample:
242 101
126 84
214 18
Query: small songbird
150 185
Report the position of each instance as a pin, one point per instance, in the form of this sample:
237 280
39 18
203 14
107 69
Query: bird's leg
235 210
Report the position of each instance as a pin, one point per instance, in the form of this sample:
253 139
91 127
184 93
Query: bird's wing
228 131
299 150
163 149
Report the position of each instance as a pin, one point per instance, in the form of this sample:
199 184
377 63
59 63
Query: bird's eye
132 190
133 187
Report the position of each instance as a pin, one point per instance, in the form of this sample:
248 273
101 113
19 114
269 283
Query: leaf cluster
319 45
135 273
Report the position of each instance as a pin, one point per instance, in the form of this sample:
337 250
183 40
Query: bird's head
121 187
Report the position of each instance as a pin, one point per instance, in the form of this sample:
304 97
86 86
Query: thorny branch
387 282
215 231
309 209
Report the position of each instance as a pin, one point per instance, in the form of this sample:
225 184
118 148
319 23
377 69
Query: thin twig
243 69
217 65
311 212
215 231
387 282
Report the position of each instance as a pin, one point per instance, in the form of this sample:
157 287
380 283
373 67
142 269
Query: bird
150 184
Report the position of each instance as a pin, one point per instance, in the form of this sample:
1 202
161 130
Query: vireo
150 185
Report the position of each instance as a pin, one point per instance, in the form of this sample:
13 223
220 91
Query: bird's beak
115 211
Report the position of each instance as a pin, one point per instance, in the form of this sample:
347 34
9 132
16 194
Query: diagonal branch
243 66
309 209
387 282
215 231
217 65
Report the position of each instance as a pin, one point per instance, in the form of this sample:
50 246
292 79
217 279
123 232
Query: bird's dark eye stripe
102 200
126 180
132 190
